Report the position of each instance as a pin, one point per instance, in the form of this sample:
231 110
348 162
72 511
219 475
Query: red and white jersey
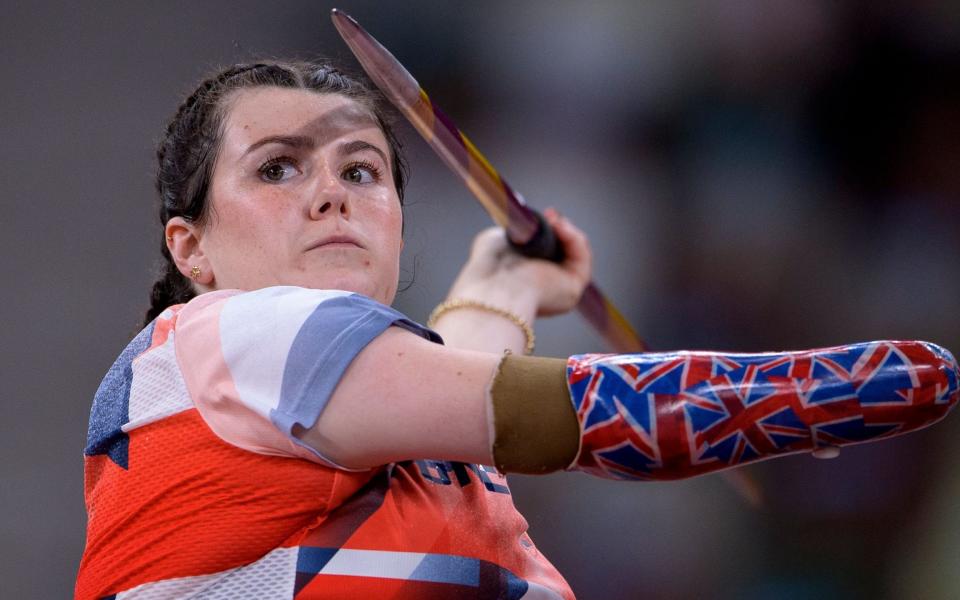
195 486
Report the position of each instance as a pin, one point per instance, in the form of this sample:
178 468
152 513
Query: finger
486 246
488 238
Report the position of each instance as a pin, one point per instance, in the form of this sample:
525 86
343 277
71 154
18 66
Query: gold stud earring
169 238
195 273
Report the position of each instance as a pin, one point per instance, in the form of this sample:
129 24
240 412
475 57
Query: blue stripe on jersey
327 342
411 566
312 560
444 568
111 404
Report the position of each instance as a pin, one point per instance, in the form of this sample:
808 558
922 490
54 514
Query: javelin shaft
526 229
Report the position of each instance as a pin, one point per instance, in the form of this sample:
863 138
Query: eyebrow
303 141
294 141
360 145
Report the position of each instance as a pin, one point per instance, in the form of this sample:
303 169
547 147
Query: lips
336 241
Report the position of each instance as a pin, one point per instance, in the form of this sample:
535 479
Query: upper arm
322 375
406 398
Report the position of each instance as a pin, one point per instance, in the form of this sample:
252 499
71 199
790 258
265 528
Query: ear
183 242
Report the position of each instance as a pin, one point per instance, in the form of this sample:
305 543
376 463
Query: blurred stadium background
754 175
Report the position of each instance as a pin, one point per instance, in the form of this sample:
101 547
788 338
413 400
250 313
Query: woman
278 431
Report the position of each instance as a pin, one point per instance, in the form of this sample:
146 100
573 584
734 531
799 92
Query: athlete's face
302 194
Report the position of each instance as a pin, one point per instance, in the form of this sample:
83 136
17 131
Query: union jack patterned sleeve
662 416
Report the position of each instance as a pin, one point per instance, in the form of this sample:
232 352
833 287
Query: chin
357 283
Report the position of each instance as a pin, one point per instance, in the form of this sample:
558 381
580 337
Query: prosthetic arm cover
665 416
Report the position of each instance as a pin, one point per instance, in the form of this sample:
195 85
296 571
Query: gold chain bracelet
456 303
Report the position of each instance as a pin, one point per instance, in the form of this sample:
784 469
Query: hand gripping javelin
527 230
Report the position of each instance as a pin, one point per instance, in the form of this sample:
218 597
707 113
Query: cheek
246 232
396 228
390 222
256 217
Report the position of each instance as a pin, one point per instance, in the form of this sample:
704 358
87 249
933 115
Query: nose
330 201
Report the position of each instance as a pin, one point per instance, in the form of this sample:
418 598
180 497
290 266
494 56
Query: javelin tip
341 18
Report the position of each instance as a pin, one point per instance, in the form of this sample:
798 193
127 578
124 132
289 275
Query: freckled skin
261 232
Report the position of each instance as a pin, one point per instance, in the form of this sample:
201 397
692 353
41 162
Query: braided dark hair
189 148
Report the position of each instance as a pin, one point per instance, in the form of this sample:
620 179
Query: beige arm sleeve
535 427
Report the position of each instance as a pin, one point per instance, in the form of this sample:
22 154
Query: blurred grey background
754 175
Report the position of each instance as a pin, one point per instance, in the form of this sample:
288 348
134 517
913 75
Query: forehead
257 112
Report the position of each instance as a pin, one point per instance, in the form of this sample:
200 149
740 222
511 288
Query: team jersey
196 486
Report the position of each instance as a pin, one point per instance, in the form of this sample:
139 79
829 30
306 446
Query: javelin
527 230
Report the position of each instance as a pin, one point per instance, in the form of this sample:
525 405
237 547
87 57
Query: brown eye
278 170
361 173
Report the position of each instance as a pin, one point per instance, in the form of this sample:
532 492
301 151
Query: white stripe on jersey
273 576
157 390
255 344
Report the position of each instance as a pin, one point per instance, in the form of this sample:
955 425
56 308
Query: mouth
335 241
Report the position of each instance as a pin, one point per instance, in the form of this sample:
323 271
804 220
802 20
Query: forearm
674 415
498 277
483 329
